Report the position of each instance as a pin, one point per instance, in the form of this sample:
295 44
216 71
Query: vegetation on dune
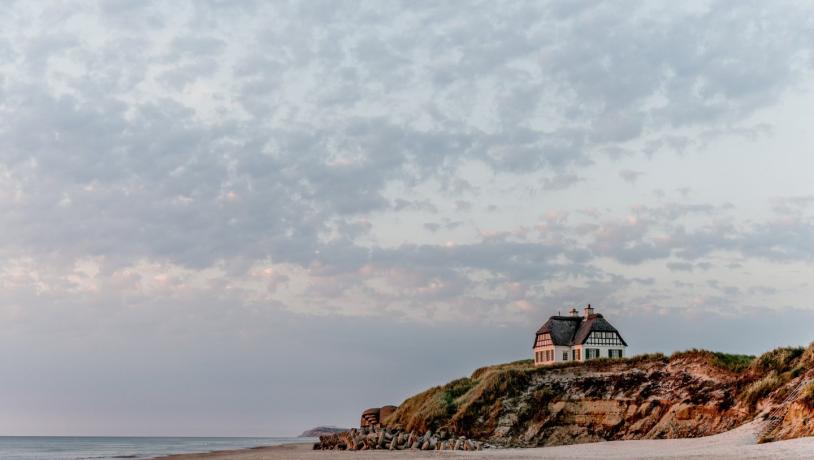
759 389
807 397
734 363
781 360
522 364
483 400
472 405
519 403
725 361
647 357
431 408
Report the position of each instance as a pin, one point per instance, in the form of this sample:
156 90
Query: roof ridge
574 330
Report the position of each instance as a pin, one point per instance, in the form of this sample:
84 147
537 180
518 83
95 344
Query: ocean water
86 448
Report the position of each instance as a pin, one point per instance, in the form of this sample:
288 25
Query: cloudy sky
249 218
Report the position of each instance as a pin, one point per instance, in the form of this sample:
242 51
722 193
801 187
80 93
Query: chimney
574 312
588 311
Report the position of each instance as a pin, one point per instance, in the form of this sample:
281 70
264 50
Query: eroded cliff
689 394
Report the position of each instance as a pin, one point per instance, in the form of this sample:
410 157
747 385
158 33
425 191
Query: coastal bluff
321 431
686 395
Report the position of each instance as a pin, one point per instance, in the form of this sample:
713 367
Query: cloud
630 176
200 170
560 181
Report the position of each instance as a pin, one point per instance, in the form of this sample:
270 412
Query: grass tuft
760 389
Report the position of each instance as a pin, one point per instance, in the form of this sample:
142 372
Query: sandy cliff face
690 394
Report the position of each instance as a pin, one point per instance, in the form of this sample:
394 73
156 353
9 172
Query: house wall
558 355
577 352
603 350
539 355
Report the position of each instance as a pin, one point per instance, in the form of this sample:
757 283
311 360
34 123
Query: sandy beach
738 444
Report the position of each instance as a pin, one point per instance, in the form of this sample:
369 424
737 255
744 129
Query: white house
577 338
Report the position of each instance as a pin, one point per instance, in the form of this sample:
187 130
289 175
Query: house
577 338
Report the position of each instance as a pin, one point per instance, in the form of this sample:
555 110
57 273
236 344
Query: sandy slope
738 444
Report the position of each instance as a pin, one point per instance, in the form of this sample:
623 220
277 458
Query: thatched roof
574 330
562 329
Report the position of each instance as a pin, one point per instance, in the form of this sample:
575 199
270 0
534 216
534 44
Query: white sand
738 444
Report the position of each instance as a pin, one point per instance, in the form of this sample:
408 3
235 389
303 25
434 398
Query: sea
85 448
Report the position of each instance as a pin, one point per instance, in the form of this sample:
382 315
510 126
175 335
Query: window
576 355
614 353
565 356
592 353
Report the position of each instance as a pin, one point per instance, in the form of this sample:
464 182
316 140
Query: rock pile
370 438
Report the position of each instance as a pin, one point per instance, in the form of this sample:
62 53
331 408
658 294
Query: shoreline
228 453
737 444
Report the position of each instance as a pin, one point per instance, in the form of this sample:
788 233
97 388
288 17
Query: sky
251 217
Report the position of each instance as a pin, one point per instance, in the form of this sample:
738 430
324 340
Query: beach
738 444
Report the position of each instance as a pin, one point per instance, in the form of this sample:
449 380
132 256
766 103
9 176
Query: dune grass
807 397
725 361
475 402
